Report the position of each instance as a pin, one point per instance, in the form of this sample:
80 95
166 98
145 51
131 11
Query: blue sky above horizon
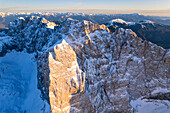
124 5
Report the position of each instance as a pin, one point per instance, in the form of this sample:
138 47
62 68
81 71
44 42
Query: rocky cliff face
119 68
65 81
30 34
82 67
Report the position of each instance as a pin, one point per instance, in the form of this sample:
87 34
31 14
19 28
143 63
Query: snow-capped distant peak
147 21
131 23
121 22
118 21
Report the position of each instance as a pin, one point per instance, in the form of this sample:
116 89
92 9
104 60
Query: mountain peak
82 67
147 22
118 21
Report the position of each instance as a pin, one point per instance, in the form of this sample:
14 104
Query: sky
147 6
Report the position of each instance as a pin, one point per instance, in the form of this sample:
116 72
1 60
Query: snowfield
18 85
148 106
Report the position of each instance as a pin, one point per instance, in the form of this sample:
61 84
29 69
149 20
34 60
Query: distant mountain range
147 30
6 18
155 29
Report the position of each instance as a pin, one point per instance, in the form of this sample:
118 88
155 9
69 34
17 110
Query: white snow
160 90
136 59
131 23
18 85
147 21
4 39
154 106
118 21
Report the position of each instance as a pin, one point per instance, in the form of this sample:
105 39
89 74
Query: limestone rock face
83 68
119 69
66 82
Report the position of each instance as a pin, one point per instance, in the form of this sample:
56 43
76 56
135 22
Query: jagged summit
121 21
83 67
27 21
118 21
147 30
33 33
115 64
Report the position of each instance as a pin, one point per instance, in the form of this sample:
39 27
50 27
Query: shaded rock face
29 33
118 67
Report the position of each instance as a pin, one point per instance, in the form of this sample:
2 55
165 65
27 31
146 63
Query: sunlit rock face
119 68
82 67
66 82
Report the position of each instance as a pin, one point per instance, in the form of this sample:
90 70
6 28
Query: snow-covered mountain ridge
35 34
114 21
82 67
146 29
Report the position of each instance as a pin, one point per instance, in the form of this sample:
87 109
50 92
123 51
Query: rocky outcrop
82 67
118 67
35 34
29 33
147 30
64 81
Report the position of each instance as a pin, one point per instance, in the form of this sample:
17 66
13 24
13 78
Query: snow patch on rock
18 84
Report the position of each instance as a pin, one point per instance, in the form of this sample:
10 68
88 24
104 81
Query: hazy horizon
144 7
163 13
